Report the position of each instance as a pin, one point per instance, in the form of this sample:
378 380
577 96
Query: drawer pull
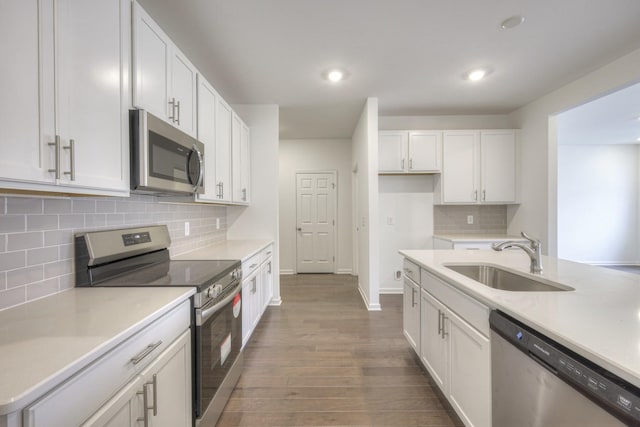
252 266
144 353
269 253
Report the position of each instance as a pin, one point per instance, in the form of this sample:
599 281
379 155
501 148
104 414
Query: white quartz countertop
459 238
46 341
599 320
227 249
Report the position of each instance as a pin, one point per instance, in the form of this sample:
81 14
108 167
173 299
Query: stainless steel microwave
164 160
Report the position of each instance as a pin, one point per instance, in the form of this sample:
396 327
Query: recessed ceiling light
512 22
478 74
335 75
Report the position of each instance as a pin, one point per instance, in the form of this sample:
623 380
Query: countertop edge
20 402
248 248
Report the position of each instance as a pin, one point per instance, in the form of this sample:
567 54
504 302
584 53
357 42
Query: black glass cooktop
199 274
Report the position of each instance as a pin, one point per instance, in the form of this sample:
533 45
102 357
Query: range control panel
616 395
136 238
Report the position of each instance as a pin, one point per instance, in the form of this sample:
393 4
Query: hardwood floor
322 359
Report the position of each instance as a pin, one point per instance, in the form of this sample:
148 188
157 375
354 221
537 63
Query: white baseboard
276 302
287 272
367 303
391 291
344 271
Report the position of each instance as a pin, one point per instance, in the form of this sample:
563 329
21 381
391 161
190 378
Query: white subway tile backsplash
38 263
42 222
12 297
488 219
42 255
83 206
58 268
18 241
13 223
43 288
71 221
22 276
12 260
23 205
57 206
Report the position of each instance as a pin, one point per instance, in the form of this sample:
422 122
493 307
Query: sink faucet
533 249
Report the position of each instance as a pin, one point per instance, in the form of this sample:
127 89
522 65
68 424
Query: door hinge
333 185
334 222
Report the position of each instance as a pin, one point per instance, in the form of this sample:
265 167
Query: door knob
299 229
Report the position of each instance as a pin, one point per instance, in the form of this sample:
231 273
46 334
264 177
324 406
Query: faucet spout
533 249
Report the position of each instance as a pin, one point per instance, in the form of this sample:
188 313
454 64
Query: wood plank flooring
322 359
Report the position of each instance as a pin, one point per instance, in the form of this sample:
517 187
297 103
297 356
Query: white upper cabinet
240 157
224 115
207 99
478 167
409 151
164 80
67 89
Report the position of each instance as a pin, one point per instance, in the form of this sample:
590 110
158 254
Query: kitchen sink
498 278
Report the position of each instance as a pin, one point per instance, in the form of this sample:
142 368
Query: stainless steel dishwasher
538 382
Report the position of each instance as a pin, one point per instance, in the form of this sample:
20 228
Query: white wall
406 222
259 220
598 203
537 213
302 155
365 163
487 121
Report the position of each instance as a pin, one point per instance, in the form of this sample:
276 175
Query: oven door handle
203 314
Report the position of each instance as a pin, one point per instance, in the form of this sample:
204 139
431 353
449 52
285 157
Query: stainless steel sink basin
498 278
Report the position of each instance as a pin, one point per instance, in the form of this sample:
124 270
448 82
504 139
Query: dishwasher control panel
619 397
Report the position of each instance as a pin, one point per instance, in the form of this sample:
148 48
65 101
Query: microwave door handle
201 171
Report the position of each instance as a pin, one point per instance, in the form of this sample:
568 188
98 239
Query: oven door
163 158
218 345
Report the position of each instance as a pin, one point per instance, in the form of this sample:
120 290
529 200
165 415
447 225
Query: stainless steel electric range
138 257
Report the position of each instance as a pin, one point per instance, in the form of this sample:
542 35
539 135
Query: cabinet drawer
251 264
473 312
411 270
266 253
77 398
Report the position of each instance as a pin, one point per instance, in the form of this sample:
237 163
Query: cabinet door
245 156
151 56
247 306
27 109
425 151
392 151
183 93
469 373
122 410
460 165
236 157
267 282
256 299
433 347
91 67
207 135
411 313
223 150
498 166
167 381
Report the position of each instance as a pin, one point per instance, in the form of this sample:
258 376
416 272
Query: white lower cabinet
153 366
165 386
456 354
411 313
257 290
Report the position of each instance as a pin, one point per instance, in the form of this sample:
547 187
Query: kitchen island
599 319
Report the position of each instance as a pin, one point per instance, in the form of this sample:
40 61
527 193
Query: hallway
322 359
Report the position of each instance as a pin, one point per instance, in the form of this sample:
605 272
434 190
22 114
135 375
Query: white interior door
315 222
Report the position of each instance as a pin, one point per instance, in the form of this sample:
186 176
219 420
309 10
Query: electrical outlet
390 220
217 223
186 228
469 219
398 275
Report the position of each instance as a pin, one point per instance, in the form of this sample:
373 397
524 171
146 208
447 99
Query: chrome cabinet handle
145 400
244 194
72 159
402 166
172 117
269 270
410 163
268 253
144 353
408 270
56 147
201 168
444 331
253 290
475 195
484 195
252 266
413 297
178 108
439 323
145 404
154 383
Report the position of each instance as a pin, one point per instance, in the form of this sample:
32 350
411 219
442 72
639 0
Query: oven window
167 159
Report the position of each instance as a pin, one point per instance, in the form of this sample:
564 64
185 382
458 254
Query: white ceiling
410 54
611 119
